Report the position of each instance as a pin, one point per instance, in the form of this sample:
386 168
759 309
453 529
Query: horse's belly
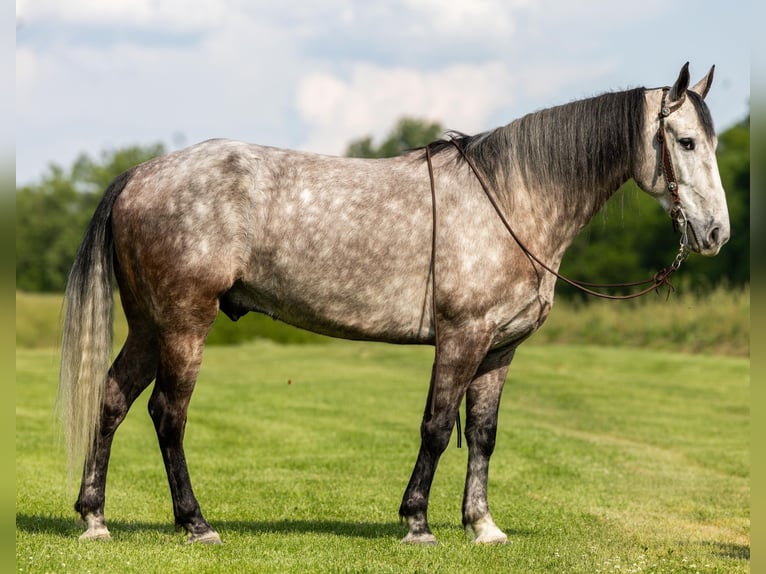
393 311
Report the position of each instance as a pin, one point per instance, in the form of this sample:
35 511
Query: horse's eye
687 143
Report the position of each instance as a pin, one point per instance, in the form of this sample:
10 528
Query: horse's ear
703 86
678 90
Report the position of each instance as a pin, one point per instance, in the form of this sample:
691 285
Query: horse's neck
550 219
565 162
586 203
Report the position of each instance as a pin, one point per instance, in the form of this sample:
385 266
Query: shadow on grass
336 527
728 550
71 527
735 551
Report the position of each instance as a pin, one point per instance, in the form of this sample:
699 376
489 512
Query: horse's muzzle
707 239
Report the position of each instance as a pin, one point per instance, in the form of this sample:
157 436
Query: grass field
608 460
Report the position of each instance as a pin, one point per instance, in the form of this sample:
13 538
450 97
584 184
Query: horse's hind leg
132 371
180 360
482 403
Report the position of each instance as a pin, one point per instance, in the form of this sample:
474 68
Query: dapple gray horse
344 247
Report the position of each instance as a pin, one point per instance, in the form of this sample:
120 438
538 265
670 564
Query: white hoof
95 534
487 532
97 530
209 537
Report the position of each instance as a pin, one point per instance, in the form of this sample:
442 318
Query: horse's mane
586 144
703 112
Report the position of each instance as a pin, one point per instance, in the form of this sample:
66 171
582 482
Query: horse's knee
481 438
481 418
156 406
435 434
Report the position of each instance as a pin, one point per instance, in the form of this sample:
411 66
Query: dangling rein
659 279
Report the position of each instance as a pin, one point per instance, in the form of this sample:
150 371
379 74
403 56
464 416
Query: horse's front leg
482 404
458 358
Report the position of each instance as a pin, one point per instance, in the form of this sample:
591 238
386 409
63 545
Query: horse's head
679 166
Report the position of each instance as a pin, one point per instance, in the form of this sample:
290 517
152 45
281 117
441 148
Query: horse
351 248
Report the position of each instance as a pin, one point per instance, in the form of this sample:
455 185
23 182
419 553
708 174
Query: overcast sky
97 74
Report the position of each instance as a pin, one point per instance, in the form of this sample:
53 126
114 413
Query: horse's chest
522 317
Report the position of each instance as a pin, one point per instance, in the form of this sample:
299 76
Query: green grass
608 460
717 322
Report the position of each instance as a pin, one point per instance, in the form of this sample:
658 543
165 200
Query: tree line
630 238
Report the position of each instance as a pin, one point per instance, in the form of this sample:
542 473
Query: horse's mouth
709 247
691 238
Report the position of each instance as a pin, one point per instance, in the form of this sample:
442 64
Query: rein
435 371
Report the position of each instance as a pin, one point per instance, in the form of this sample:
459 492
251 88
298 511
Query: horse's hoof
425 539
487 532
96 528
499 538
209 537
100 533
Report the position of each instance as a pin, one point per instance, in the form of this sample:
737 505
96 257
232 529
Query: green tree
51 216
408 133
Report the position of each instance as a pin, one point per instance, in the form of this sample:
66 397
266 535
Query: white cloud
543 82
159 14
477 19
459 96
87 96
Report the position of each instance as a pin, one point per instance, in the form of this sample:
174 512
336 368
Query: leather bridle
666 163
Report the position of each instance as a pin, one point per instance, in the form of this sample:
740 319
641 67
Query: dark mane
584 144
703 113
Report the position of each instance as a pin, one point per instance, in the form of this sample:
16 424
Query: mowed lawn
607 460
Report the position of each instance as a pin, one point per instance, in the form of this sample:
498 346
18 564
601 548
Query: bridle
666 163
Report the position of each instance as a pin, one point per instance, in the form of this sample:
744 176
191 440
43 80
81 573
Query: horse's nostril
715 239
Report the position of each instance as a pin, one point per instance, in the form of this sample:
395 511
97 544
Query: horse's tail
86 346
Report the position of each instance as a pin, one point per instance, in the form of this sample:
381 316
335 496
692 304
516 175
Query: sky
95 75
